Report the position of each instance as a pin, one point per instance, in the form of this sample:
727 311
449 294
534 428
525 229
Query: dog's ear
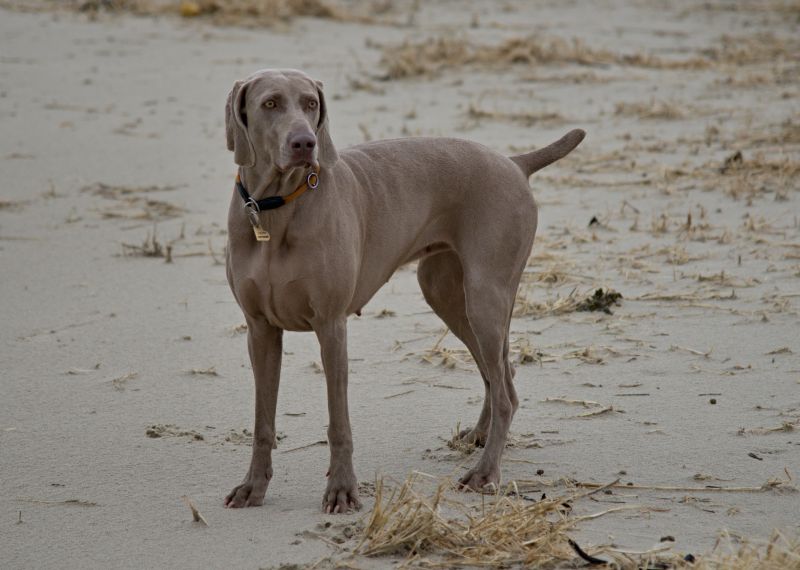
236 126
327 154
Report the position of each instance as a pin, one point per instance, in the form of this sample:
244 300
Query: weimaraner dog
313 233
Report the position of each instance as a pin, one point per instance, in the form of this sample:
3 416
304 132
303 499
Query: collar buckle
252 212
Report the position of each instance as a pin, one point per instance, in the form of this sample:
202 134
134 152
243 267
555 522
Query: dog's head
279 118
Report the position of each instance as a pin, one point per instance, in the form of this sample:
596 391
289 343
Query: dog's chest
286 285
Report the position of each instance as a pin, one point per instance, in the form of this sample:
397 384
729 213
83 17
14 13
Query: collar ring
252 204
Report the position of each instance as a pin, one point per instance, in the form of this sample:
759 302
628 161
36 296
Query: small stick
397 395
675 347
70 502
584 403
320 442
579 551
629 205
195 513
603 487
623 508
439 341
599 412
710 489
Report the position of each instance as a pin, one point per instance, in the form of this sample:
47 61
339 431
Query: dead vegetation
433 55
600 300
744 175
150 247
254 13
752 49
196 514
12 205
435 530
653 110
245 13
132 203
120 382
157 431
525 118
210 371
507 531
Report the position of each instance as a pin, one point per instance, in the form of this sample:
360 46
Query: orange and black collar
272 202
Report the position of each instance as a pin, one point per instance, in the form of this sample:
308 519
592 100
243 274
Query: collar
272 202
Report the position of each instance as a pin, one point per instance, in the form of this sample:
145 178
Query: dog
313 233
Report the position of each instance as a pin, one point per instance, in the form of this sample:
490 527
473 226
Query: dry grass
132 203
210 371
753 49
787 426
599 300
778 553
150 247
729 553
525 307
12 205
436 530
156 431
432 55
439 355
653 110
196 514
120 382
411 59
787 8
248 13
117 192
259 12
745 175
525 118
506 531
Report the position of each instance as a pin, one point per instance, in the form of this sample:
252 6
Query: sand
125 379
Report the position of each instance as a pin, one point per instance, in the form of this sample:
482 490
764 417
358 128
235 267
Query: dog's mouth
300 163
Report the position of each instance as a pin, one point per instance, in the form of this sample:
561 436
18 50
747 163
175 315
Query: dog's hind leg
489 314
442 282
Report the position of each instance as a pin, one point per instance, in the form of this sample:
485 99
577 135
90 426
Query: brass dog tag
261 233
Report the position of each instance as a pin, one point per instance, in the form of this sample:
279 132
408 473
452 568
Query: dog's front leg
342 492
265 344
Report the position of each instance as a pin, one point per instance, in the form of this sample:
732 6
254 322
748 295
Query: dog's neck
267 180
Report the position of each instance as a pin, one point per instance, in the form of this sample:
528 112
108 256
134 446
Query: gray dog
314 233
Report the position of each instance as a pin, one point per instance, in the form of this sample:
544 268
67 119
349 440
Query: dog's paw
341 496
248 494
479 480
471 436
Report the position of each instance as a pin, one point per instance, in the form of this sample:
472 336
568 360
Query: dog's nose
302 145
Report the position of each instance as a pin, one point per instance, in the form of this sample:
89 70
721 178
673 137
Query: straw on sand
506 530
729 553
436 530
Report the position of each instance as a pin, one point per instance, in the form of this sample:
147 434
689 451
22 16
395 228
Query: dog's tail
538 159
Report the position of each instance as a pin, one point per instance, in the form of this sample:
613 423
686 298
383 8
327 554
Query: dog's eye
312 104
270 104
